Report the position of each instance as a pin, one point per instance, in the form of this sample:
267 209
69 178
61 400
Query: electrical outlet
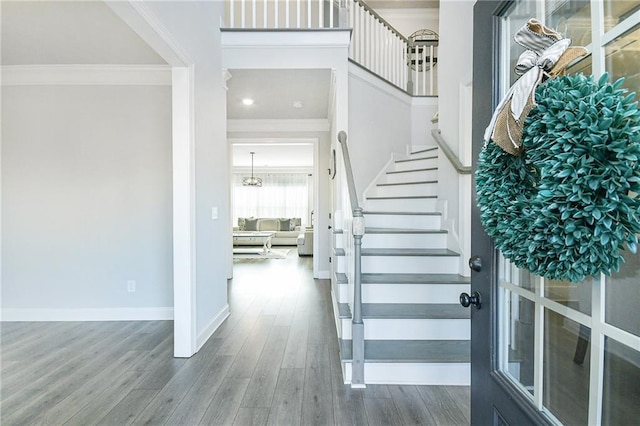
131 286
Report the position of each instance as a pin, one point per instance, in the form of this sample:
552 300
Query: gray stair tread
407 252
418 182
402 197
343 310
415 351
415 279
339 251
432 148
417 159
338 231
341 278
415 311
428 169
405 213
393 311
403 231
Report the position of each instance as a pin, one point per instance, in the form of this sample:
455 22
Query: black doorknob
475 263
474 299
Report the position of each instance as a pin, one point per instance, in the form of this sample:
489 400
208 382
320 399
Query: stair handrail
382 20
357 230
451 156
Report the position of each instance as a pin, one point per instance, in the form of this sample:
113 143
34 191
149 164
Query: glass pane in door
518 339
621 392
574 295
616 11
566 369
622 296
622 57
572 19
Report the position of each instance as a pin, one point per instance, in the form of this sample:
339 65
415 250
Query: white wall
382 120
407 21
194 28
454 73
86 199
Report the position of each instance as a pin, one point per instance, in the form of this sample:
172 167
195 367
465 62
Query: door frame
491 391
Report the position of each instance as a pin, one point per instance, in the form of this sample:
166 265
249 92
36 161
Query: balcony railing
376 45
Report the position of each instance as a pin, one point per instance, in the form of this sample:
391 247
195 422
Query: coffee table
253 237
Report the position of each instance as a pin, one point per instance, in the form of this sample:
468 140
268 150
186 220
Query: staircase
415 330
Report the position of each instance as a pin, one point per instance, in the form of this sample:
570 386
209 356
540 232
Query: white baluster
254 15
286 14
424 72
331 14
431 63
264 14
320 14
242 11
404 68
415 75
308 13
232 16
298 14
276 12
354 40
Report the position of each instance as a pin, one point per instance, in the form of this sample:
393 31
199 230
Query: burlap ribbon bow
547 55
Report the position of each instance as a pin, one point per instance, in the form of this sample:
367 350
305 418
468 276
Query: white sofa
305 242
286 229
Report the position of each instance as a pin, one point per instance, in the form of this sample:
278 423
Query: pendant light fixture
252 181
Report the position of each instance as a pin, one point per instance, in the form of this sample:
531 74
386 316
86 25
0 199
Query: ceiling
404 4
69 32
275 91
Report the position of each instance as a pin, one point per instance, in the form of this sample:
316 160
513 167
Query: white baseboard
212 327
106 314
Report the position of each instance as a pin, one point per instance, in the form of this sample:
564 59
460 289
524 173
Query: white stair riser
340 263
413 293
417 329
345 325
435 240
410 264
403 221
449 374
416 164
401 204
411 176
344 296
339 238
406 190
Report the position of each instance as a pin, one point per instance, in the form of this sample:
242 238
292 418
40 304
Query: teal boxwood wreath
566 207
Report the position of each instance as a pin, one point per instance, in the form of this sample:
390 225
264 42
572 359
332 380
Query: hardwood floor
274 361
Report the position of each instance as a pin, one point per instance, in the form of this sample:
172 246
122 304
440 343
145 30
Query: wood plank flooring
274 361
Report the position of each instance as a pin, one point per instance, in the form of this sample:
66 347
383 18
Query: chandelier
252 181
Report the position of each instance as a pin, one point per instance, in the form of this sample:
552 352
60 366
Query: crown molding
83 74
274 125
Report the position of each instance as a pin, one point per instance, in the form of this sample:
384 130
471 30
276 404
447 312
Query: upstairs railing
353 226
407 63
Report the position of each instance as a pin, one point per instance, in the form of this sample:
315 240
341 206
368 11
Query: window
281 195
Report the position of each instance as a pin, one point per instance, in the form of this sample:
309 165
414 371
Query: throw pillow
250 224
285 224
241 224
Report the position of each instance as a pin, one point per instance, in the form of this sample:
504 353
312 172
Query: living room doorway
273 195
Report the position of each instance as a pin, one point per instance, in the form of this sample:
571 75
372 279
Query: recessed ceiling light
247 101
297 104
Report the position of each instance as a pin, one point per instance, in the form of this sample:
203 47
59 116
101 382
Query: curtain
281 195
